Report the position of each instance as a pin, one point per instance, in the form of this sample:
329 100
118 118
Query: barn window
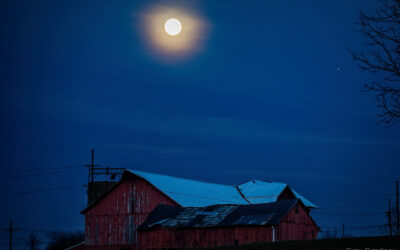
297 209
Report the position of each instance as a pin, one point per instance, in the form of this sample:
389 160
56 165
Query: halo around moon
173 26
172 32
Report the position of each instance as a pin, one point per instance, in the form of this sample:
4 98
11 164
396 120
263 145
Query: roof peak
134 171
257 181
194 193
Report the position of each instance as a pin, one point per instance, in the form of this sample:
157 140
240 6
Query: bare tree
62 240
382 56
330 234
33 242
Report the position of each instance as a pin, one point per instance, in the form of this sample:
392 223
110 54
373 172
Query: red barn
111 222
226 225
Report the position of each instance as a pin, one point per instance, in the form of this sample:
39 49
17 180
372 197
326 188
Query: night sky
267 90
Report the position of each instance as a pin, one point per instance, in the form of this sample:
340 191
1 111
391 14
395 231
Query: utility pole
389 214
92 165
91 169
397 208
10 229
343 230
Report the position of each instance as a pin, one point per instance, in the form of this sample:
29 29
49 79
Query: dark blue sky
272 94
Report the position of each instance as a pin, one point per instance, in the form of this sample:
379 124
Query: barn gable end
114 218
297 225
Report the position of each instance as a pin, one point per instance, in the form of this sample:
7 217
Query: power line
350 214
42 190
348 197
36 230
351 206
397 208
40 169
389 214
355 228
41 174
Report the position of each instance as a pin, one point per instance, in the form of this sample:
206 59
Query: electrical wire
350 197
350 214
41 174
41 169
35 230
42 190
359 205
355 228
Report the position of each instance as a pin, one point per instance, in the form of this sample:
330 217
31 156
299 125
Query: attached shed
226 225
112 220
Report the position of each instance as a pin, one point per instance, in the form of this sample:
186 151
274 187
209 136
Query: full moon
173 26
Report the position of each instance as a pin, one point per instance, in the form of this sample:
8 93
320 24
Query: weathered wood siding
286 194
202 237
112 223
115 247
114 219
297 224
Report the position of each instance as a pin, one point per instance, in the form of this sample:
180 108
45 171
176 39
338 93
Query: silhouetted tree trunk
33 242
382 56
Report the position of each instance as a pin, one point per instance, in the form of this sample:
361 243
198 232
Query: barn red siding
115 247
202 237
297 224
286 194
112 222
114 219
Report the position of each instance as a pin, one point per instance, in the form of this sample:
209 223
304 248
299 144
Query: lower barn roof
164 216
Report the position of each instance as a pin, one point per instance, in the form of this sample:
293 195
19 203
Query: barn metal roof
257 191
306 202
262 192
191 193
218 215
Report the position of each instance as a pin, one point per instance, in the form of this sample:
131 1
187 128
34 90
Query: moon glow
173 26
173 33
